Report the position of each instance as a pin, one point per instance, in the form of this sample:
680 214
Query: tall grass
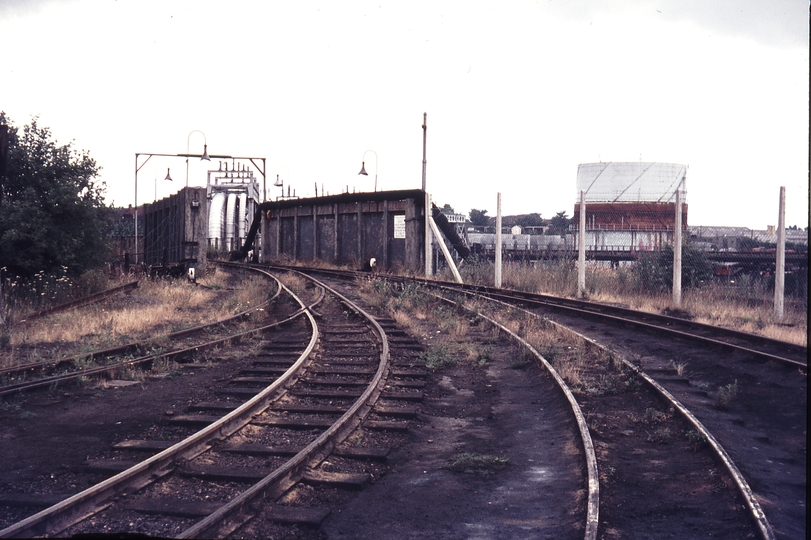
156 308
746 305
22 297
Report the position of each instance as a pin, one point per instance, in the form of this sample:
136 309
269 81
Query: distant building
713 238
629 205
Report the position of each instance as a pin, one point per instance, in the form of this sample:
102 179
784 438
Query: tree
559 224
447 209
51 206
479 217
530 220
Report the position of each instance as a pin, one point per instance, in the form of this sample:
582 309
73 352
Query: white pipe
230 224
429 251
216 216
243 216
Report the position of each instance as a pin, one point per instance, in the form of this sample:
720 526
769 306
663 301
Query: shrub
654 270
438 357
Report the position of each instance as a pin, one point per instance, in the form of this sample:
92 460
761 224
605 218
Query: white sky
518 93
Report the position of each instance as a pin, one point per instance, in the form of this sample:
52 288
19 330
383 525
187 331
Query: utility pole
428 248
581 248
498 246
677 259
780 262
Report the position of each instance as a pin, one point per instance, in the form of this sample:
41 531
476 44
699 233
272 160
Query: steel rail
593 504
83 301
661 328
585 307
753 506
236 512
133 346
169 355
81 505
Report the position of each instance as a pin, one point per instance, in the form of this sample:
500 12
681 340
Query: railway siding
657 475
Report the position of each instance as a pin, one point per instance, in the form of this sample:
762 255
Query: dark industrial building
350 228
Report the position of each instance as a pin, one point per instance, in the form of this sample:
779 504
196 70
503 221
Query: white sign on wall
399 226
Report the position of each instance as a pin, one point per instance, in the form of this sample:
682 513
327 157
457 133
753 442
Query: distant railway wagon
527 244
174 230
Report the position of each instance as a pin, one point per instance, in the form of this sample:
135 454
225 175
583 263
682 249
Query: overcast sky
518 93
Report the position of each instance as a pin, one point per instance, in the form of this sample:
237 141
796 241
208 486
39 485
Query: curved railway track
669 500
685 369
316 407
304 411
708 335
174 346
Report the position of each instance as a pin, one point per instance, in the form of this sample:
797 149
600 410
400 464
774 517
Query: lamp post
203 157
363 166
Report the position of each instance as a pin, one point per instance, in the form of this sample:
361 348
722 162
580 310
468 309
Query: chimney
770 230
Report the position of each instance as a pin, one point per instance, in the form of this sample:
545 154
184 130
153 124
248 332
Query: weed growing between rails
587 369
156 308
416 310
746 305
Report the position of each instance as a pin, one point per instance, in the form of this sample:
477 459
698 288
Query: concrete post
780 262
497 280
581 248
677 242
429 249
445 251
429 262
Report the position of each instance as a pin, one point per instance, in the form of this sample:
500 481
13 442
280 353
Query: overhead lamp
167 175
279 183
363 166
205 153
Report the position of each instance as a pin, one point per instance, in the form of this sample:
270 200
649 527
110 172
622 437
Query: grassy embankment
747 305
155 308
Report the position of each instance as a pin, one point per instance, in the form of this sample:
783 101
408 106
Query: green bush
654 269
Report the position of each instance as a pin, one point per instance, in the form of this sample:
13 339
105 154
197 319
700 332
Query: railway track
748 392
754 407
726 394
655 472
197 487
708 335
174 346
714 336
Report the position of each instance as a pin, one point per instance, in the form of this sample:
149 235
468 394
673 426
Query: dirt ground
491 409
496 409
